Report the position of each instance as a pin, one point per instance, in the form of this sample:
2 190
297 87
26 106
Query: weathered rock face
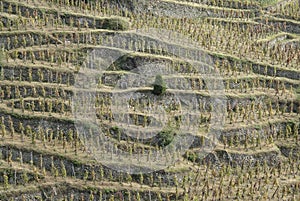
284 25
99 23
289 151
48 75
218 157
66 191
15 176
183 10
271 158
77 169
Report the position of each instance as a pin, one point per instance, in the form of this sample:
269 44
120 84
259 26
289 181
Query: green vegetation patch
165 137
159 86
115 24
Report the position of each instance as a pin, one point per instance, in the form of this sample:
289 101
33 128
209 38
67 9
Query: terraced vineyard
149 100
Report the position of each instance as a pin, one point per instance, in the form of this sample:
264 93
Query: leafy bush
191 156
165 137
115 24
159 86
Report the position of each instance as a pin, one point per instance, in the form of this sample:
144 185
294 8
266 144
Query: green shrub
165 137
115 24
159 86
191 156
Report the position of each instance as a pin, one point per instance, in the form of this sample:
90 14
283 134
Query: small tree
5 181
11 126
63 170
141 179
3 129
85 176
25 178
129 178
159 86
33 137
93 175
